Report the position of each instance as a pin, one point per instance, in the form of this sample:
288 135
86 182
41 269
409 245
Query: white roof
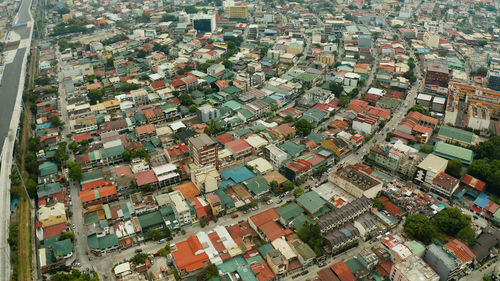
164 169
439 100
375 91
256 141
210 250
261 164
227 241
121 268
425 97
177 125
281 245
352 75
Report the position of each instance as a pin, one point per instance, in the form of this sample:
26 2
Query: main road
11 89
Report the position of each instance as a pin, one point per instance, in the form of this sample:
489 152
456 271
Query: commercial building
344 214
204 22
444 185
429 168
180 207
238 12
207 112
204 150
275 155
437 76
443 262
413 269
356 182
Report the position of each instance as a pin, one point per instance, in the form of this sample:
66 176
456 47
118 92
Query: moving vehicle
235 216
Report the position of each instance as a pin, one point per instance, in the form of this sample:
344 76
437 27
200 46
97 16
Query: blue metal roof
482 201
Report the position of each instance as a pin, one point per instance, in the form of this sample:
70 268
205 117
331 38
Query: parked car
269 202
279 201
73 226
138 250
235 216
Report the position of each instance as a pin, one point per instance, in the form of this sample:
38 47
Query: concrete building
443 261
437 76
478 117
431 40
318 95
275 155
204 22
412 269
356 182
207 112
52 215
444 185
238 12
344 214
429 168
180 207
204 150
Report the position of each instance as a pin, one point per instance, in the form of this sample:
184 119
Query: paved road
11 88
81 246
103 265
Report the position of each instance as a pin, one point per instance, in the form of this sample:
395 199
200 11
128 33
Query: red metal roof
343 271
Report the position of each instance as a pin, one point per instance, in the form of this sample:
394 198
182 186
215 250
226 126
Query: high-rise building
238 12
204 150
205 22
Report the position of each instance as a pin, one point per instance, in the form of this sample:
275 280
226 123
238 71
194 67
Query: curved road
11 89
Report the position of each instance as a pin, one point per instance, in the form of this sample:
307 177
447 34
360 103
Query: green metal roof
257 185
232 104
150 219
102 243
246 113
226 201
305 251
292 148
92 176
43 190
290 211
416 247
450 151
311 201
456 134
47 168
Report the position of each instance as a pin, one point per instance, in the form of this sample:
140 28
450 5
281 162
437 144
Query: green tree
425 148
127 155
467 235
56 122
67 235
451 221
336 88
454 168
379 204
420 228
61 156
288 186
186 99
311 234
418 108
140 258
303 127
211 272
192 108
488 149
73 146
75 171
95 96
298 192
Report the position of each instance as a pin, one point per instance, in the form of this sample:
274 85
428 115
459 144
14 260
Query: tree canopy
454 168
75 171
486 167
467 235
311 234
451 221
420 228
303 127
